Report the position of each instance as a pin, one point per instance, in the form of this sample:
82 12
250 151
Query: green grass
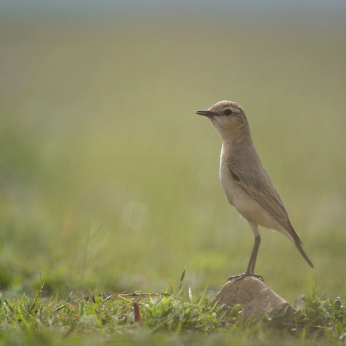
109 180
164 318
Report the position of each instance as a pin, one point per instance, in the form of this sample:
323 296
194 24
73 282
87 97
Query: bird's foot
244 275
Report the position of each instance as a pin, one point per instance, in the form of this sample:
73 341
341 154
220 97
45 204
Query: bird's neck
237 137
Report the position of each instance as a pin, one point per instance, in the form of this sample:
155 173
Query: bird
246 183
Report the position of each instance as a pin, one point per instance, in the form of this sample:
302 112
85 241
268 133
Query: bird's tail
292 235
307 259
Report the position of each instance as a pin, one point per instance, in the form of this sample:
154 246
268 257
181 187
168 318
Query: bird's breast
235 193
229 185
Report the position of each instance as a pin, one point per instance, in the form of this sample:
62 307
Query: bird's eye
227 112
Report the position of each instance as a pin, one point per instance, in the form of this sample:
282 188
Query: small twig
138 317
137 294
120 296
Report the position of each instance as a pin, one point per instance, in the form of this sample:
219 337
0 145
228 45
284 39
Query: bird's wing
256 182
259 186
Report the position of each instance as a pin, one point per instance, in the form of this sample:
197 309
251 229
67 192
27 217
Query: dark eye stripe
227 112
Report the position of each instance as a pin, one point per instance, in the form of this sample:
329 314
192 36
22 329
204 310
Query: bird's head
228 119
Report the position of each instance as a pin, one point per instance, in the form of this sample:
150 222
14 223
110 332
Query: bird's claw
243 275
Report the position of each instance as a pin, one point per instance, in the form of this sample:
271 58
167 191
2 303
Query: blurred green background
108 178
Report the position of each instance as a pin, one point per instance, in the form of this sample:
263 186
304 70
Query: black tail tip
307 259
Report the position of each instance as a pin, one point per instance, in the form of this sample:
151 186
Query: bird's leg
252 262
255 250
251 266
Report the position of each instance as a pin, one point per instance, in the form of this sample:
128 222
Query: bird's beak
206 113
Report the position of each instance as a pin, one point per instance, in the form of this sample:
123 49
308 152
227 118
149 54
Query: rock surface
253 294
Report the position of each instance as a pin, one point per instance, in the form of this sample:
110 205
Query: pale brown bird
245 181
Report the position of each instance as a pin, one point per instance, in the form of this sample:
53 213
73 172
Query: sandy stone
254 295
